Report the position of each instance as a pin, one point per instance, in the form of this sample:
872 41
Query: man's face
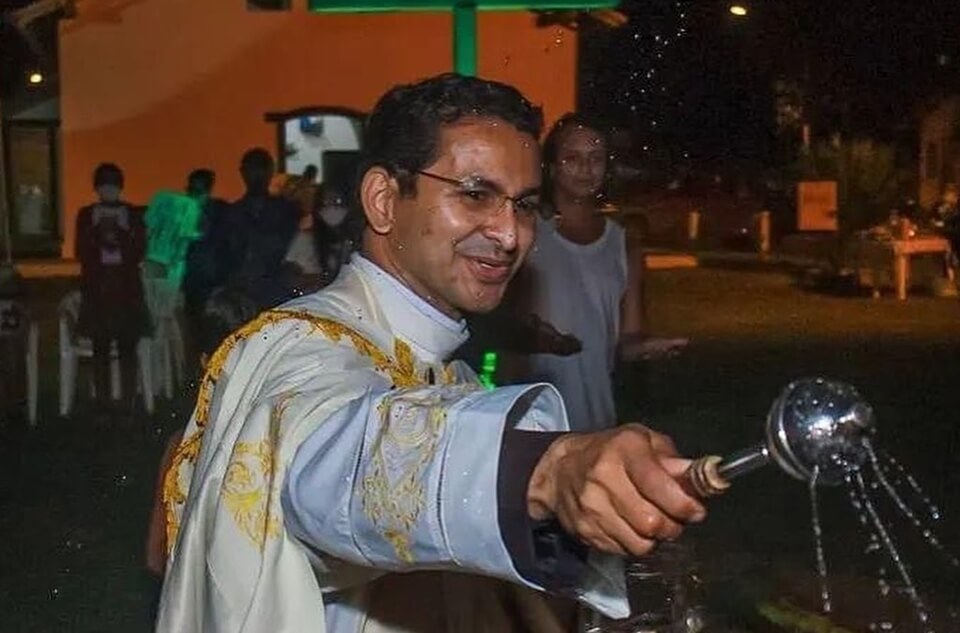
457 245
581 164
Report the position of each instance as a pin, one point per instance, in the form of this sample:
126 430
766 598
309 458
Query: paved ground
74 496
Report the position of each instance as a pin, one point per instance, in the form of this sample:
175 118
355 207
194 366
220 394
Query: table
871 256
903 250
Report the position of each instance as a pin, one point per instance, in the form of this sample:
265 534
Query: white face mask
333 215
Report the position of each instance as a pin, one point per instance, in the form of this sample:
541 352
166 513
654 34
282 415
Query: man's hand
639 347
616 490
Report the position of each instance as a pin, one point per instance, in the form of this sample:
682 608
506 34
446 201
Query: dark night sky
17 59
866 65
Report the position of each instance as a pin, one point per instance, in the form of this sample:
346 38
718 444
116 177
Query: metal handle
703 479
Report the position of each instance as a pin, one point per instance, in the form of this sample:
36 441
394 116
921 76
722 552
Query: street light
738 10
35 78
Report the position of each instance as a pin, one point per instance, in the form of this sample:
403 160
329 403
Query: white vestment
331 452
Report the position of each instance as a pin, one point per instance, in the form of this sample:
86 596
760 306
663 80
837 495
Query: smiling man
337 471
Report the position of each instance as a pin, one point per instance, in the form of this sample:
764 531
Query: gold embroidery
400 369
249 483
392 491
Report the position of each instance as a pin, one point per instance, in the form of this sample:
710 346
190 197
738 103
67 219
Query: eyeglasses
486 198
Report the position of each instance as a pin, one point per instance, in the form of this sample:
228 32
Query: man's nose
502 226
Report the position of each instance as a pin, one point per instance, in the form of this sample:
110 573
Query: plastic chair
74 347
168 345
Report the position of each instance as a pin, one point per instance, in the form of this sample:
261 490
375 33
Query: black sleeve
542 552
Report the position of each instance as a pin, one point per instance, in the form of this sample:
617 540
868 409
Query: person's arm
433 477
133 245
522 334
86 246
513 327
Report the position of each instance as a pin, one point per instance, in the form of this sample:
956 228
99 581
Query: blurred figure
946 208
110 244
584 278
300 190
14 325
173 224
205 270
336 232
946 219
258 229
305 193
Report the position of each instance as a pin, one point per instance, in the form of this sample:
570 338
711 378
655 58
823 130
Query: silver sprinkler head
819 424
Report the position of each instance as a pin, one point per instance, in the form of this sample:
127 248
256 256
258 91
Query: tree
869 180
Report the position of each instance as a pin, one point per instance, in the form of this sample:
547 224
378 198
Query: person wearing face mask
304 192
110 244
335 234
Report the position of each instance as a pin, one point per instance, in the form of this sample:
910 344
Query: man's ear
378 195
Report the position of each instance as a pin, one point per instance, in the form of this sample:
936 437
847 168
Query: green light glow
488 369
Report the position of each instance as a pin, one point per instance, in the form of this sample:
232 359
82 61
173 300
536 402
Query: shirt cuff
541 551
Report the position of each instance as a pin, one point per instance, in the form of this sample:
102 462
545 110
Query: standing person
205 270
257 231
585 279
173 224
110 245
336 470
301 190
335 232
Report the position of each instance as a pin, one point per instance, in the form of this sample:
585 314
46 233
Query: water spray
815 425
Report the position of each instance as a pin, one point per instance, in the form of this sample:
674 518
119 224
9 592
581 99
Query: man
110 246
335 471
585 279
256 234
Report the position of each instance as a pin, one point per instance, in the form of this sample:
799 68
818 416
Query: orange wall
164 86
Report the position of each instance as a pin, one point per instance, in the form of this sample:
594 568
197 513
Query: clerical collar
433 333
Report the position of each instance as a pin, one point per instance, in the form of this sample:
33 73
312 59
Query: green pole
465 38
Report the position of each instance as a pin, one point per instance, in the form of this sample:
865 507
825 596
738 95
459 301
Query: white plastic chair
168 346
168 355
74 347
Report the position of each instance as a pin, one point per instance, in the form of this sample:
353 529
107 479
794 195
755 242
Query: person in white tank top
585 278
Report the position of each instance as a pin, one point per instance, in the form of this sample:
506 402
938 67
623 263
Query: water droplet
818 541
905 510
909 587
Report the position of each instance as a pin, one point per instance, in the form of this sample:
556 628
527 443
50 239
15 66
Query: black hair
107 174
571 121
201 178
402 133
257 158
